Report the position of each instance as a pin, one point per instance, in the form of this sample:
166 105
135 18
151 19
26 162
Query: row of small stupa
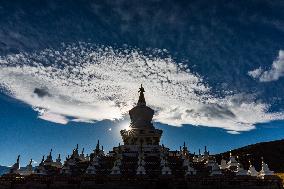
205 159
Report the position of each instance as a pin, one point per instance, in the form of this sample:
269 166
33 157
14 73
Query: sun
126 127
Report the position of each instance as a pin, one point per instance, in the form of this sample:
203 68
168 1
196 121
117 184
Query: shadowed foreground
60 182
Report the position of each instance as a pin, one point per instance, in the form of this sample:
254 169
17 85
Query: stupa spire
18 159
141 100
98 145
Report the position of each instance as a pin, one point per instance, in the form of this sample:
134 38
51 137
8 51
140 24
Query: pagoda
141 132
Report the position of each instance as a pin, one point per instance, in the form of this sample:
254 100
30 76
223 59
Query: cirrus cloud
86 83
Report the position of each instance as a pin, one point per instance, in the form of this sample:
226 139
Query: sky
70 71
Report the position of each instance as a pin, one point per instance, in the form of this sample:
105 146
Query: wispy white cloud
50 116
276 71
53 117
89 83
233 132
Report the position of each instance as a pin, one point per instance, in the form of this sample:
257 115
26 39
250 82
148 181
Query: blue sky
69 72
